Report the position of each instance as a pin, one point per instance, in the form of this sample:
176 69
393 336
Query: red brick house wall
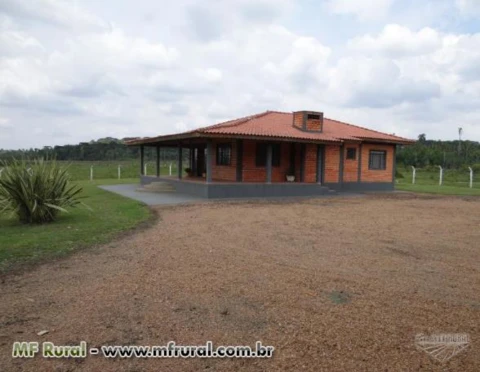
225 172
332 164
310 163
252 173
350 166
298 119
377 175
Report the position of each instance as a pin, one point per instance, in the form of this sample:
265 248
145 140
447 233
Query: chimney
308 121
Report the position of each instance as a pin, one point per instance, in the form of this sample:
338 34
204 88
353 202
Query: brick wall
298 154
332 164
225 172
252 173
377 175
310 163
350 166
298 119
313 124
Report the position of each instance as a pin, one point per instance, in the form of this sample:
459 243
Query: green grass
110 214
435 189
455 182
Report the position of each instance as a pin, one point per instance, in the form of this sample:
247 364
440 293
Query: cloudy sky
73 71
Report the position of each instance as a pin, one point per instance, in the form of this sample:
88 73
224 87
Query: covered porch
239 160
236 167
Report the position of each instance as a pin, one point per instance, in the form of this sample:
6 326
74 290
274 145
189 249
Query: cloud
16 42
73 71
362 9
398 41
304 65
89 66
366 82
204 23
5 124
55 12
207 23
468 8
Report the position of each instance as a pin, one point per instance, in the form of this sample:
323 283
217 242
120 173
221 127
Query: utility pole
460 131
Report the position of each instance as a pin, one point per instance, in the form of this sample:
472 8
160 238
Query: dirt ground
341 284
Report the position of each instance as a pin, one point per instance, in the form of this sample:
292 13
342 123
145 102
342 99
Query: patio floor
151 198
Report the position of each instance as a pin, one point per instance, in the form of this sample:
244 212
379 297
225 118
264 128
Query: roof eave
198 134
166 138
393 141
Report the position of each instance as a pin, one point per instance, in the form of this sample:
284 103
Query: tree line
448 154
103 149
424 153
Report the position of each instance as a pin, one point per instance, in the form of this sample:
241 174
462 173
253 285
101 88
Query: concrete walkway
150 198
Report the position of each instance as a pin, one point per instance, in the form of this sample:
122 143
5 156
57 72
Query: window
351 153
261 155
313 116
377 160
224 154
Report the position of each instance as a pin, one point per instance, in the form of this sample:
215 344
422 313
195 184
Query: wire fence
98 170
439 176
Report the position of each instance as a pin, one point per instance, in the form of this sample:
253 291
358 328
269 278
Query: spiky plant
36 190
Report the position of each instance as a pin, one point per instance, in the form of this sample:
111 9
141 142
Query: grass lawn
110 214
435 189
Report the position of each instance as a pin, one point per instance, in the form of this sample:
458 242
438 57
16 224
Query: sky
72 71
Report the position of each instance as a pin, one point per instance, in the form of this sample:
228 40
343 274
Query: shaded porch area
224 189
242 161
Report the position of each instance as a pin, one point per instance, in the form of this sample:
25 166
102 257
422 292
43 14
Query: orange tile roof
273 124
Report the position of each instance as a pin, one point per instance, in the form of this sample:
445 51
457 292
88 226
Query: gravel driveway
333 284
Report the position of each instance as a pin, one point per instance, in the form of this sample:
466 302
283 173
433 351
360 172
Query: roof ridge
233 122
371 130
279 112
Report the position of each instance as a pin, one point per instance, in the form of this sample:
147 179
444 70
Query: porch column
239 160
292 160
180 159
209 160
360 164
142 159
319 163
302 162
158 161
191 158
269 163
340 166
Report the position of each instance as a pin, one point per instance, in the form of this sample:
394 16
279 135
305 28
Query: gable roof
279 125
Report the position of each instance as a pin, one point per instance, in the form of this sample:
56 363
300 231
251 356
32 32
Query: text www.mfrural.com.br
170 350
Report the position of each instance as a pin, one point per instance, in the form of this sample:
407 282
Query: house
252 157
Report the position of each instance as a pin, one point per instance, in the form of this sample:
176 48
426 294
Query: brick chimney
308 121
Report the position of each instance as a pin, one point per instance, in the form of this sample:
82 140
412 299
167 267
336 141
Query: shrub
36 191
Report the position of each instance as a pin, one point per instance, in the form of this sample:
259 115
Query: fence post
440 181
471 176
119 172
170 170
145 169
91 173
414 172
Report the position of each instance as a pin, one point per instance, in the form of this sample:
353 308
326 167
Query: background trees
424 153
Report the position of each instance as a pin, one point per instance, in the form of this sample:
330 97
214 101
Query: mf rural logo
444 346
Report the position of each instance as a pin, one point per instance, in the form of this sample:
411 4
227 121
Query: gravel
333 284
